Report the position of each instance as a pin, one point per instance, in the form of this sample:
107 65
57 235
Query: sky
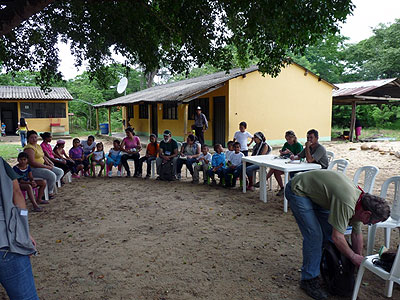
366 15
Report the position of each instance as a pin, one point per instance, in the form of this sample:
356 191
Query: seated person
190 151
97 158
230 150
235 161
131 147
313 152
291 147
168 151
88 147
203 163
77 155
27 183
151 154
217 164
61 155
114 158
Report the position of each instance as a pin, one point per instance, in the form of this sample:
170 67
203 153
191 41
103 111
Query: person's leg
149 162
59 173
41 186
124 161
245 152
179 164
196 171
31 195
307 220
278 176
140 165
158 164
101 163
136 157
93 168
323 215
249 172
71 167
22 134
205 168
175 161
200 134
48 175
189 165
16 276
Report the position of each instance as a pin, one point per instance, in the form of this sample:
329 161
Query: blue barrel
104 128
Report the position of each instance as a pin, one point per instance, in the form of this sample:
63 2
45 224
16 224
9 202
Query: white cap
198 108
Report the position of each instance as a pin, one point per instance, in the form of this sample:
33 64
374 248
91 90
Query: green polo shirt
295 148
333 191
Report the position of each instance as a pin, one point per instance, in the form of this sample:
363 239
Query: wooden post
97 120
185 120
353 120
149 118
109 121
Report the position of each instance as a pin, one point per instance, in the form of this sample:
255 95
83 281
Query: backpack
337 271
167 171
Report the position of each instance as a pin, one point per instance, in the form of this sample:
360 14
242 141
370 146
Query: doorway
219 120
9 116
154 119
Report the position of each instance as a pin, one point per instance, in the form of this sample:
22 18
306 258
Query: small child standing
203 162
242 137
27 183
217 164
3 129
98 157
232 172
151 154
114 158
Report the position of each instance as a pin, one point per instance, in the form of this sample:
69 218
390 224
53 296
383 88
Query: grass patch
9 151
369 132
80 133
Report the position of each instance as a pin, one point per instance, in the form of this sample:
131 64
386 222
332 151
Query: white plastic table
274 162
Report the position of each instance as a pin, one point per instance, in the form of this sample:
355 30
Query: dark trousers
68 166
231 175
148 161
124 160
245 152
200 135
188 162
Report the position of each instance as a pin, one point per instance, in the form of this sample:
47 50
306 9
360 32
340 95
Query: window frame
43 110
143 111
170 111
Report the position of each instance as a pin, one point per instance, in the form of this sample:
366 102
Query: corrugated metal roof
33 93
358 88
180 90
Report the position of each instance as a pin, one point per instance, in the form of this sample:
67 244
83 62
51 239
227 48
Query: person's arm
139 145
18 199
182 150
205 122
357 242
309 157
265 150
31 181
32 162
198 152
341 243
47 161
175 153
252 139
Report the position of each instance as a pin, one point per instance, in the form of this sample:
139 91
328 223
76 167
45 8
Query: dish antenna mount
122 84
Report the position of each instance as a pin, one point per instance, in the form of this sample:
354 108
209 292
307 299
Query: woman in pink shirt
131 147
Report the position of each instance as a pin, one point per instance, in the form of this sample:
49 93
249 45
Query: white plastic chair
394 219
331 156
370 173
341 165
390 277
46 189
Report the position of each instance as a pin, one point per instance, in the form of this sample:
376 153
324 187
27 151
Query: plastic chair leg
153 168
357 284
388 288
387 237
371 239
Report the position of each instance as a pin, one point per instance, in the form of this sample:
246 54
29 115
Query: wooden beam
185 120
353 120
149 118
109 121
97 121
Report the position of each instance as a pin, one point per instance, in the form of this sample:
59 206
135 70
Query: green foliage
174 33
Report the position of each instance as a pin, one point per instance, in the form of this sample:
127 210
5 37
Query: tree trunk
150 78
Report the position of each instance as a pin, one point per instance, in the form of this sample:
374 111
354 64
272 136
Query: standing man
201 124
324 203
313 151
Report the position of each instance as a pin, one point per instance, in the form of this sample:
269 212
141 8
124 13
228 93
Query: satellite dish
122 84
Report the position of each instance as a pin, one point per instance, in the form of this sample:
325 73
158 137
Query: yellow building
296 100
42 111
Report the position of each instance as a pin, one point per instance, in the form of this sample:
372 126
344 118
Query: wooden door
219 120
154 119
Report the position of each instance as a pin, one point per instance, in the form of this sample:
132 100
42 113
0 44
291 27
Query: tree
174 33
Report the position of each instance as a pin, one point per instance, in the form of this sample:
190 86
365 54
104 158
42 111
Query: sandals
37 209
44 202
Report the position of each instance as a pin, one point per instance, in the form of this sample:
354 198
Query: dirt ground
130 238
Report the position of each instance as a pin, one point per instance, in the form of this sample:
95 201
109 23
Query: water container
104 128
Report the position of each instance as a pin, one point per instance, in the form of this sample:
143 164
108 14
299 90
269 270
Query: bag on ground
167 171
337 271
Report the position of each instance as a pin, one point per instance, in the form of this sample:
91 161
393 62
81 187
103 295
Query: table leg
285 202
263 184
244 176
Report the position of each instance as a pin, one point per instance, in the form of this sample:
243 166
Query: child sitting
217 164
76 154
230 150
242 137
60 154
97 158
151 154
203 163
232 172
27 183
88 147
114 158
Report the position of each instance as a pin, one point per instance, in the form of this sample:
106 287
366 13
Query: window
170 111
143 111
130 111
203 103
31 110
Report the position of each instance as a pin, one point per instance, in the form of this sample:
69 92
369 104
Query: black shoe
313 289
128 174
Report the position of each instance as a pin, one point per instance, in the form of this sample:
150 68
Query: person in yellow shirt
22 130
